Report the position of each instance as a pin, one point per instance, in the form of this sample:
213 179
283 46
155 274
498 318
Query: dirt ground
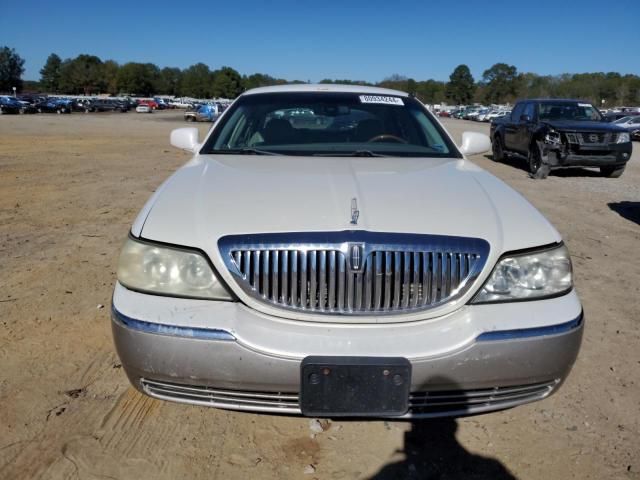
71 185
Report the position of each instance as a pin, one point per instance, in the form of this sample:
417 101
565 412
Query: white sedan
350 261
144 109
631 123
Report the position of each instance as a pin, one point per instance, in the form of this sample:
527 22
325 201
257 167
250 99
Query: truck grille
592 138
354 272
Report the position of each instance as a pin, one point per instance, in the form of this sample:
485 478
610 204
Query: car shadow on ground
432 452
627 210
521 164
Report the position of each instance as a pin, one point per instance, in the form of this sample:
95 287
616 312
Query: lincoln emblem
356 254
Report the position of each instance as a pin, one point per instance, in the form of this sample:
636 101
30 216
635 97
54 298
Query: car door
525 126
511 127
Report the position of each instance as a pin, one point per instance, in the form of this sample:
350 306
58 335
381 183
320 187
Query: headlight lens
623 137
528 277
158 269
552 137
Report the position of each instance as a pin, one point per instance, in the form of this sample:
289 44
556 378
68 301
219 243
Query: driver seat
368 129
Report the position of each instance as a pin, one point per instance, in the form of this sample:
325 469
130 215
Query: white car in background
144 109
497 114
631 123
350 261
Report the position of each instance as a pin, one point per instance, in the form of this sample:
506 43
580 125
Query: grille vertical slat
322 267
327 279
332 280
397 277
341 279
426 278
406 281
303 280
313 280
388 277
368 286
379 274
294 278
350 292
415 279
435 277
284 255
275 276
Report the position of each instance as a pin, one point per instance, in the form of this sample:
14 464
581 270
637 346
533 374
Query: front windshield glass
328 123
568 111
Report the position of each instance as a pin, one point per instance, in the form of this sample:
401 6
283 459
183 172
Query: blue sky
367 40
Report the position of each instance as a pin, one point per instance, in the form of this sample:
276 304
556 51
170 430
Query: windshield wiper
356 153
245 151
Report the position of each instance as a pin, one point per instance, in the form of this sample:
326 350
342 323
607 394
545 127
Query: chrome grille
354 272
592 138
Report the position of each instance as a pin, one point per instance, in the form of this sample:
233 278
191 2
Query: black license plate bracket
354 386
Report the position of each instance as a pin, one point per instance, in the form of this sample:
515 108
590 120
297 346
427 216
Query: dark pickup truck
554 133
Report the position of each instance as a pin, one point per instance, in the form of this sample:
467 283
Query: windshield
568 111
327 123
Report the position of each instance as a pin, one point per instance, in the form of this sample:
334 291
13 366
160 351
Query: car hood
583 126
215 195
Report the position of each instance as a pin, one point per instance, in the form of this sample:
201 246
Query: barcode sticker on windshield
381 99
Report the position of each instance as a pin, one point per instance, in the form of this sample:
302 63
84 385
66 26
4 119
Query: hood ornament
355 213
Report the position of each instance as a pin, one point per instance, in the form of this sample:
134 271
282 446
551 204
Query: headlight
171 271
552 137
528 276
623 137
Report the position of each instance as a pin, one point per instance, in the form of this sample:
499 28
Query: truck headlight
152 268
552 137
528 276
623 137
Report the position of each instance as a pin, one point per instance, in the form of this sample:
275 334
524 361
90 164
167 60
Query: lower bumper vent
422 404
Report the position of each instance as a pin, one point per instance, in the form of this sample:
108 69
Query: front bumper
594 156
492 367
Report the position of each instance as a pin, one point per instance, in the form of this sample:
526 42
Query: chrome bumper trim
531 332
171 330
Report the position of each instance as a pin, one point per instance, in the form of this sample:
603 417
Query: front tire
612 171
537 168
497 149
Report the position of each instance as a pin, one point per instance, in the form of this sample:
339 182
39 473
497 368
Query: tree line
501 83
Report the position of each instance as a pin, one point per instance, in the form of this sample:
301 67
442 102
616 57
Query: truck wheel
190 119
497 149
537 168
612 172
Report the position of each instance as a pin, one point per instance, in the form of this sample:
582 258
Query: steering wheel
386 136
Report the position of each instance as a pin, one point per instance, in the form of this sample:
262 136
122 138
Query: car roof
554 100
334 88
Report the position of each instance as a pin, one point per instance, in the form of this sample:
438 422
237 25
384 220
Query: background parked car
151 103
9 105
53 105
204 113
630 122
144 108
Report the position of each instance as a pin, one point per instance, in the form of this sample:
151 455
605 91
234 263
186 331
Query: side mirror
525 118
474 143
185 138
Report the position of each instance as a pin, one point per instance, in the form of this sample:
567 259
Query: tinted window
530 110
326 123
576 111
517 112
